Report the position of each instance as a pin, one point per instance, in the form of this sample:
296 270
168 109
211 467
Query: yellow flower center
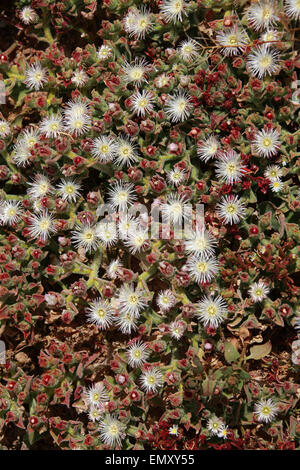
113 430
104 148
231 209
212 310
101 313
137 354
143 103
133 299
266 410
136 74
265 61
69 189
151 379
202 266
44 225
233 40
267 142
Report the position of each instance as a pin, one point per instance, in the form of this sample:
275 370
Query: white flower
212 311
111 431
40 187
263 61
202 270
229 167
79 78
29 138
151 380
173 209
267 143
95 395
10 212
21 156
177 329
51 126
208 149
179 106
166 300
163 81
265 410
126 323
214 425
273 173
96 413
136 240
77 124
125 152
107 233
41 225
127 225
141 23
112 268
28 15
104 52
200 243
258 291
223 432
142 103
230 209
262 15
100 314
270 35
76 108
176 176
104 148
173 10
85 236
131 301
234 41
292 8
121 196
35 77
137 354
4 128
188 49
173 430
276 186
136 71
69 190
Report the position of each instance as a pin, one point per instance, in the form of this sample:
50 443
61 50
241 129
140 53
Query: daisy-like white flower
28 15
200 243
130 19
179 106
166 300
40 187
136 240
176 176
35 77
267 143
76 108
131 300
96 412
173 10
121 196
125 152
188 49
231 209
208 149
233 42
173 430
265 410
127 225
276 186
69 190
262 15
104 148
292 8
162 81
223 432
21 156
10 212
51 126
79 78
177 329
212 311
263 61
100 314
151 380
95 395
270 35
173 208
142 23
273 173
111 431
136 71
142 102
214 425
229 167
29 138
201 269
104 52
85 236
258 291
41 225
137 354
126 323
107 233
112 268
77 124
4 128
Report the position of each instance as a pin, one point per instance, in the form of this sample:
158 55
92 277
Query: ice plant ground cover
115 339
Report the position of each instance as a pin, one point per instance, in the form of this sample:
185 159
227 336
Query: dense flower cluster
150 335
